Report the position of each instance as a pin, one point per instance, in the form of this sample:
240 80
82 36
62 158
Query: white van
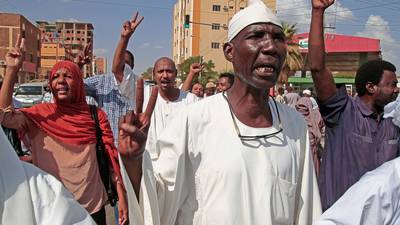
30 94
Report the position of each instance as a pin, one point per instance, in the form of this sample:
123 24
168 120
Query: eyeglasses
255 137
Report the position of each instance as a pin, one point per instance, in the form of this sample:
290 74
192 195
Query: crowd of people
223 153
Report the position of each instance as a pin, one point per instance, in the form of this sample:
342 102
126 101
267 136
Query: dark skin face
223 84
165 74
385 91
209 91
257 54
62 85
197 89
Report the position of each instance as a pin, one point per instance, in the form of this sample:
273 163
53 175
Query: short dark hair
228 75
371 71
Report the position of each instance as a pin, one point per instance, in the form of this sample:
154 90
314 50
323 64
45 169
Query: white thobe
29 195
373 200
206 175
164 111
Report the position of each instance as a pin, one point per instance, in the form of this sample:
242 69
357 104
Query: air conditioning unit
226 8
2 62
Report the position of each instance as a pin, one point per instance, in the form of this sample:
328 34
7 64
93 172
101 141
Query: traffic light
187 21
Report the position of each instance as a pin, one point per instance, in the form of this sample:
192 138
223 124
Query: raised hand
133 126
321 4
83 57
15 56
196 68
130 26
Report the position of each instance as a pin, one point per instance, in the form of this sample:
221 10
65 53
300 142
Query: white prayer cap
307 92
255 12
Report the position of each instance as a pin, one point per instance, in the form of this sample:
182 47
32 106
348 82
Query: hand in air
15 56
129 27
133 126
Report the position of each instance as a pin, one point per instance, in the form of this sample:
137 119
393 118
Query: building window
215 26
216 8
78 32
215 45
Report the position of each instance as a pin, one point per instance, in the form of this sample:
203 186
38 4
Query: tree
294 60
148 74
207 74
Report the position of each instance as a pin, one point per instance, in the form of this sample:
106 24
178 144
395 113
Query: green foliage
148 74
208 73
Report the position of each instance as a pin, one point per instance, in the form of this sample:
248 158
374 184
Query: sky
153 39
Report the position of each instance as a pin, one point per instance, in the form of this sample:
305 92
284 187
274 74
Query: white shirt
393 110
163 112
127 86
31 196
373 200
206 175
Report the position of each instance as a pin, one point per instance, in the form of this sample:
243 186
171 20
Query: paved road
110 215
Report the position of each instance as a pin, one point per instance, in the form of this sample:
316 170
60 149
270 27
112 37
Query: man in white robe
169 101
31 196
234 158
373 200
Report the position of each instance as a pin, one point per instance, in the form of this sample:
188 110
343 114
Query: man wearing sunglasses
237 157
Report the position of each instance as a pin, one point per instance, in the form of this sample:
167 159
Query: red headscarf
72 123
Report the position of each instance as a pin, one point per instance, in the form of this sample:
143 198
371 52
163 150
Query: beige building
11 25
208 29
62 41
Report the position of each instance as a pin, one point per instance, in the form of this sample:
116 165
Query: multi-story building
100 65
208 29
11 25
63 40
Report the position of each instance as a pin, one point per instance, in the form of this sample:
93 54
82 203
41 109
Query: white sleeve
52 203
373 200
165 184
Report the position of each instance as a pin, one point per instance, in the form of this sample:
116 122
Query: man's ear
370 88
228 51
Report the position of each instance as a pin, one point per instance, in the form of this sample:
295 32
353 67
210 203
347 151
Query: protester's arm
132 136
14 60
322 77
195 70
122 205
128 29
83 57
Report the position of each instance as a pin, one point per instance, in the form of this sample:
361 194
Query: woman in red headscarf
62 135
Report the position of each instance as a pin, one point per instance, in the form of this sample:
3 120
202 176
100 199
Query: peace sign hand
129 27
83 57
15 56
133 127
321 4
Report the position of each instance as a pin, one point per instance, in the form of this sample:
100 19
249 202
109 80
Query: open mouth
264 70
62 90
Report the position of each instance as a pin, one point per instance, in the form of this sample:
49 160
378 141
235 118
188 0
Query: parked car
30 94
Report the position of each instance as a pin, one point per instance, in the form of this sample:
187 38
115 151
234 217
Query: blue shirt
357 141
104 90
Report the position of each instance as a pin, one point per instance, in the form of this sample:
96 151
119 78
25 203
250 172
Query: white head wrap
307 92
255 12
